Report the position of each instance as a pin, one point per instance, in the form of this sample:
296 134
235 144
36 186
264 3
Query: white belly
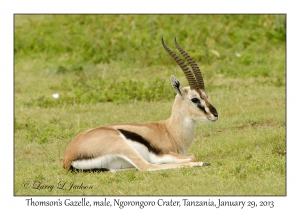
104 162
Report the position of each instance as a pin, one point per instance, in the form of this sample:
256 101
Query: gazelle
148 146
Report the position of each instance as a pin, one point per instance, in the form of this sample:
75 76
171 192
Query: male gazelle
148 146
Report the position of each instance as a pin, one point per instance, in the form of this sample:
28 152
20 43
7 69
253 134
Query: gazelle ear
176 85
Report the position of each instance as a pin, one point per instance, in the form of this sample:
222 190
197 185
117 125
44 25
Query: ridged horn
188 74
194 66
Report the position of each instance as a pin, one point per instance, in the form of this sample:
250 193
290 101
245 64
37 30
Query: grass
112 68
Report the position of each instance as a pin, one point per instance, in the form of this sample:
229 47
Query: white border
8 8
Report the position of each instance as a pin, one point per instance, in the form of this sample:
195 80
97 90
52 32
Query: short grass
112 68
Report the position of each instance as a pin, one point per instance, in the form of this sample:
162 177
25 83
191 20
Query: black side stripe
136 137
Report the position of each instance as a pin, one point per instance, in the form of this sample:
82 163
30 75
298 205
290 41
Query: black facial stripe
202 108
136 137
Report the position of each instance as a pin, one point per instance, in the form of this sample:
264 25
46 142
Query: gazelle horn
194 66
188 74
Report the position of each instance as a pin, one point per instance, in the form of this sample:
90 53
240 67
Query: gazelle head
193 99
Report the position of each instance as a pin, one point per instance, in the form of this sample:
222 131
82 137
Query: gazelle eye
195 100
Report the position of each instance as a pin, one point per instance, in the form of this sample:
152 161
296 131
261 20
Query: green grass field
113 68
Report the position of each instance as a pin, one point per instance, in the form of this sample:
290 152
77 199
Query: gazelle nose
213 110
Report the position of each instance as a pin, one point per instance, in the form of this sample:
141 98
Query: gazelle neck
182 127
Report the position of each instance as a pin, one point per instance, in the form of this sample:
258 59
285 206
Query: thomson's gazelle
148 146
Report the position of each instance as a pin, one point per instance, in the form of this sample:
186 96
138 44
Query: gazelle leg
176 165
175 161
171 157
143 165
167 161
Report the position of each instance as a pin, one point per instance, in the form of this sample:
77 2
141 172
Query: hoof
206 164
